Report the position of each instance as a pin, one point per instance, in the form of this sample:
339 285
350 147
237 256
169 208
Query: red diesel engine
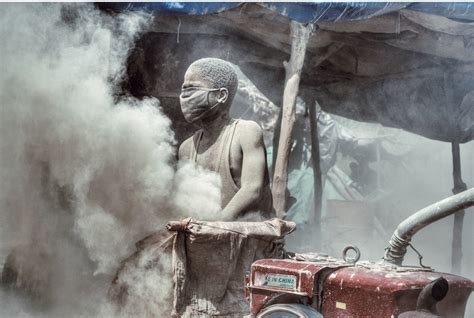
339 289
315 285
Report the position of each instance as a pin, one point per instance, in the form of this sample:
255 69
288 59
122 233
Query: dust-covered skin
247 156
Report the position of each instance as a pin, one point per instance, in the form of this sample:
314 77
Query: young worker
233 148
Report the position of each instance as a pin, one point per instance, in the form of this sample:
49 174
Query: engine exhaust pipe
401 238
428 298
433 293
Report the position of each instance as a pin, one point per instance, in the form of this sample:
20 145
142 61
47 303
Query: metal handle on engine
350 259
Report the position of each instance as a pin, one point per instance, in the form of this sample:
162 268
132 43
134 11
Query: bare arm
183 152
253 170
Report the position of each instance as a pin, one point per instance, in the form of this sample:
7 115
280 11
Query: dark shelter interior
402 65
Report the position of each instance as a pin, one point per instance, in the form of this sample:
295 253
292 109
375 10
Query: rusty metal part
338 289
430 296
359 292
350 259
402 236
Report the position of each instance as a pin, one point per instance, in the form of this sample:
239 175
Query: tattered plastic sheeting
193 8
437 106
333 139
336 136
308 12
350 11
250 104
221 252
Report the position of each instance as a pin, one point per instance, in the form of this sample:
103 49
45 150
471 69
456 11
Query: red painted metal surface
350 291
378 292
306 274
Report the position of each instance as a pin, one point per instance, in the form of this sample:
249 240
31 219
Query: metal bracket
420 257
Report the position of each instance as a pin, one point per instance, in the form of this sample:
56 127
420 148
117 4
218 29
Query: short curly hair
218 73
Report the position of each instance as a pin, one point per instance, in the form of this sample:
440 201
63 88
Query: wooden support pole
313 63
299 40
459 186
317 177
276 139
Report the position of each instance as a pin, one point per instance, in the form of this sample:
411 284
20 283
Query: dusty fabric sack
210 260
142 286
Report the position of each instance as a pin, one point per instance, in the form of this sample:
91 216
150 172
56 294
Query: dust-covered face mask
195 103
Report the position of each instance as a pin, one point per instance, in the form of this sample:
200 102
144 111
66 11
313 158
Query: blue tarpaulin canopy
311 12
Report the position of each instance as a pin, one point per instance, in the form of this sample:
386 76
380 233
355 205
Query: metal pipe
431 294
402 236
428 298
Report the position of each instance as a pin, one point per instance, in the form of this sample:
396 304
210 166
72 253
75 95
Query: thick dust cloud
84 174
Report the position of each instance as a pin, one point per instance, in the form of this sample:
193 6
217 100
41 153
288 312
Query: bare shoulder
184 148
250 133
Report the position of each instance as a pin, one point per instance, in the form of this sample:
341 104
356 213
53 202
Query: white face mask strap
209 110
225 97
218 101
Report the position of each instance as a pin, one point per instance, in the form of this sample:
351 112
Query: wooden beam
394 23
416 39
330 50
438 23
388 23
419 72
299 39
436 43
258 24
322 55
